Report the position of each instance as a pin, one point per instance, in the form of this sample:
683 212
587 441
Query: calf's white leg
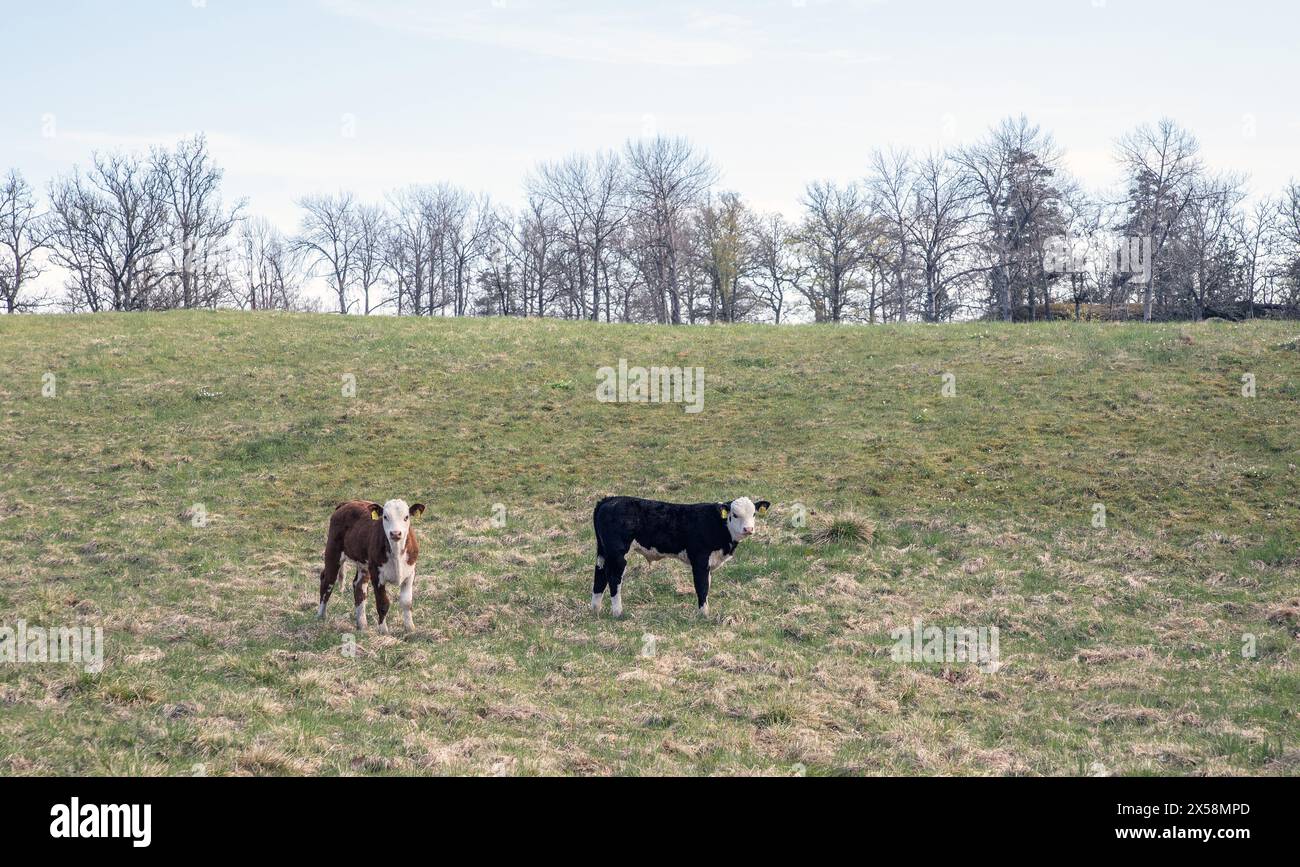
404 598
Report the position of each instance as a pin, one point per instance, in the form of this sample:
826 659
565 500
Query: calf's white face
397 519
740 522
397 522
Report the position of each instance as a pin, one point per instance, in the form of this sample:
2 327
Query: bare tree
1079 254
1206 263
1288 242
371 263
198 225
521 258
1007 174
465 224
890 182
24 234
268 269
666 178
109 227
1256 234
330 237
538 243
940 232
776 266
72 248
834 237
407 251
561 185
723 227
1161 161
501 274
588 192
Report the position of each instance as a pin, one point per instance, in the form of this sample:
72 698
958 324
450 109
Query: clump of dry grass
1105 655
845 529
1288 611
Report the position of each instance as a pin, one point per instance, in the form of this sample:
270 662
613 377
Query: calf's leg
598 585
328 576
359 600
381 601
615 564
700 572
404 598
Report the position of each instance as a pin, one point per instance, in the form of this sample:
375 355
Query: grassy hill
1121 647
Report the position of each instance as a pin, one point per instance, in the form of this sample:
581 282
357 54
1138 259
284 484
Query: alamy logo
1131 259
113 821
76 644
651 385
923 643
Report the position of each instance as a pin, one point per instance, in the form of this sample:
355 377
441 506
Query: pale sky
309 96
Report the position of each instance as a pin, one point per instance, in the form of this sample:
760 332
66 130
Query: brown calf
380 540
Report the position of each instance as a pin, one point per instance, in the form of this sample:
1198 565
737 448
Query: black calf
703 535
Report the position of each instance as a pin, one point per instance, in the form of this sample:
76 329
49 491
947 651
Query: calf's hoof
381 629
704 610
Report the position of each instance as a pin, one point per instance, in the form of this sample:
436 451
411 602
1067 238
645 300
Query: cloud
655 35
603 37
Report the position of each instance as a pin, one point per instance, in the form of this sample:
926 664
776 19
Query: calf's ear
417 510
724 511
376 511
761 507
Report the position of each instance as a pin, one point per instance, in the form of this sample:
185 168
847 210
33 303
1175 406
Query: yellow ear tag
374 515
762 510
726 513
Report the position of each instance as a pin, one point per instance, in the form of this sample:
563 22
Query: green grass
1120 646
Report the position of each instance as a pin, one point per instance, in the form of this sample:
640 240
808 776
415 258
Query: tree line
996 228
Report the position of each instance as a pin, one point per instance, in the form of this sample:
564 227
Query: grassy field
1121 646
